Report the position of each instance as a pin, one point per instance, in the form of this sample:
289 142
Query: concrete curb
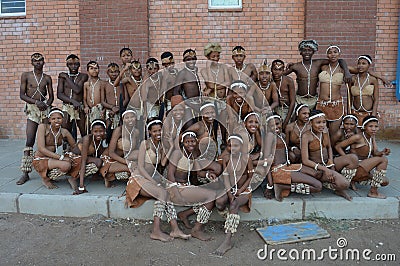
288 209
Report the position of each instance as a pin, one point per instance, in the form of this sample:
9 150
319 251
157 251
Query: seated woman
238 103
146 182
364 146
294 131
317 155
49 160
348 129
285 177
364 91
182 170
123 140
237 175
90 148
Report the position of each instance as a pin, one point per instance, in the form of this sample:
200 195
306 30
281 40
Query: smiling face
304 114
56 120
238 94
318 124
155 132
177 112
306 53
98 132
252 124
208 114
190 61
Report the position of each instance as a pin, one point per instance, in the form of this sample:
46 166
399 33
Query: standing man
70 92
35 86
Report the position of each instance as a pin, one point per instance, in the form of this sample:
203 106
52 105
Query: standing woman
49 160
295 130
317 155
364 146
364 94
146 183
330 101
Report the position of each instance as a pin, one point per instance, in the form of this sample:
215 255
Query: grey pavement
34 198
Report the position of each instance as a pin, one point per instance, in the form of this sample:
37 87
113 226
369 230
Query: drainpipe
397 81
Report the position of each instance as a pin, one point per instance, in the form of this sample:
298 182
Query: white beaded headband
366 58
300 106
252 113
206 105
333 46
239 84
188 133
97 122
154 122
369 120
55 111
272 117
128 111
315 116
236 137
350 116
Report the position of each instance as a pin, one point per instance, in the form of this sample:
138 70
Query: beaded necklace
320 145
234 190
115 92
75 77
369 145
330 80
194 72
92 86
55 136
96 147
361 87
308 76
38 85
157 155
188 158
130 140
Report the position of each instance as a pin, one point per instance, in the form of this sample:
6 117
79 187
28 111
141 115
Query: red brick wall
351 24
42 30
107 26
266 29
387 26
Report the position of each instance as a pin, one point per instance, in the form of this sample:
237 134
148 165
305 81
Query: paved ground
34 198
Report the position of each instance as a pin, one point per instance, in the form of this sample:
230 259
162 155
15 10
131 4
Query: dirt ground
96 240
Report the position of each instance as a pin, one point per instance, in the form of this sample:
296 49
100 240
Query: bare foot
373 193
223 248
268 193
278 192
353 186
49 184
179 234
343 194
185 220
72 182
161 236
22 180
200 235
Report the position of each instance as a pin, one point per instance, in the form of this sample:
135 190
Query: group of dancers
207 137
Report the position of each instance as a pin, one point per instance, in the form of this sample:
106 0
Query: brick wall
267 29
351 24
107 26
387 26
43 30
